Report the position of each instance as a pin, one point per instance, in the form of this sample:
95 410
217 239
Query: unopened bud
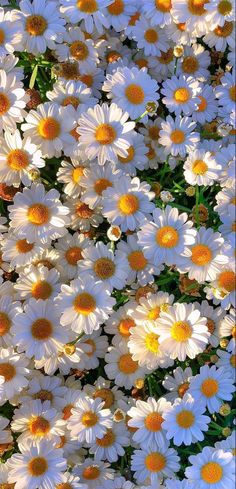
139 383
224 343
190 191
214 359
114 233
178 51
34 174
151 107
119 415
226 432
225 410
166 196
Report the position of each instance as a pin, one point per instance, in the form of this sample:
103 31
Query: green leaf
33 77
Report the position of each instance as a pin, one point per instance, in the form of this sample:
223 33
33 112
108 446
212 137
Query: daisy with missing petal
38 216
181 94
84 305
70 174
49 128
150 37
89 420
13 100
121 367
95 180
185 421
37 330
158 11
211 468
94 474
37 465
90 11
182 331
131 89
178 383
212 386
76 48
147 418
164 239
207 106
69 250
153 463
104 133
112 444
222 289
127 203
8 311
13 374
178 136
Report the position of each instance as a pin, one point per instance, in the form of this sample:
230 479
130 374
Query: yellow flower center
154 313
69 349
155 462
79 50
151 342
210 325
107 440
113 56
163 5
177 136
77 173
7 371
23 246
124 327
211 473
233 361
185 419
116 8
203 104
106 395
2 36
166 57
181 95
41 329
64 485
226 280
201 255
199 167
39 426
128 204
153 422
133 19
4 104
135 94
43 395
73 255
137 260
89 419
190 64
84 303
209 387
87 6
232 92
49 128
41 290
93 347
224 7
36 25
37 466
181 331
129 157
182 389
104 268
67 411
5 323
127 365
167 237
83 211
181 27
38 214
225 30
18 159
105 134
101 184
87 79
91 472
71 100
151 36
197 7
141 63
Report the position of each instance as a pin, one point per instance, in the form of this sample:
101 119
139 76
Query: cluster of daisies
117 244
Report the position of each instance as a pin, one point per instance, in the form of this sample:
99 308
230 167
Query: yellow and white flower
211 468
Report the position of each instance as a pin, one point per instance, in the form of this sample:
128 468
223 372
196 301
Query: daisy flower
157 11
131 89
222 288
37 215
147 418
225 199
95 180
228 445
74 93
13 374
111 445
153 463
84 304
178 383
221 37
8 311
94 347
70 174
38 282
10 32
90 11
82 217
201 168
181 94
177 136
193 13
5 434
137 156
102 389
220 11
185 421
37 330
182 331
49 128
104 133
195 62
44 388
13 100
165 238
149 307
214 317
121 367
69 250
212 386
226 92
227 360
207 107
118 13
8 64
37 465
227 327
76 48
211 468
89 420
120 322
127 203
149 37
94 474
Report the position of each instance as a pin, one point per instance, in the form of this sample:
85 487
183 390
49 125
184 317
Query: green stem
176 63
141 116
197 206
77 339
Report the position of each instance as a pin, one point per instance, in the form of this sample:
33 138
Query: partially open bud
178 51
226 432
151 107
224 343
114 233
190 191
225 410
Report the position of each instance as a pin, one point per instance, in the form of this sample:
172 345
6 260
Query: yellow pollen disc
225 30
181 95
232 92
107 440
211 473
37 466
154 313
41 290
93 347
190 65
124 327
128 204
151 342
69 349
133 19
127 365
199 167
166 57
101 185
224 7
203 104
155 462
104 268
137 260
151 36
79 50
226 280
153 422
87 79
77 173
182 389
73 255
177 136
201 255
49 128
87 6
45 263
181 27
181 331
129 157
185 419
23 246
4 104
36 25
2 36
83 210
210 325
18 159
116 8
153 133
67 411
64 485
43 395
41 329
141 63
106 395
89 419
84 303
209 387
39 426
38 214
91 472
105 134
163 5
71 100
5 323
197 7
233 361
7 371
113 56
135 94
167 237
